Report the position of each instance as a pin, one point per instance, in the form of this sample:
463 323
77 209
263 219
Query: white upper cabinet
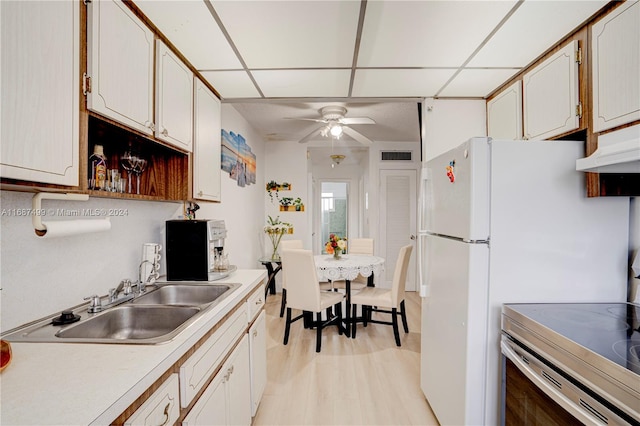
207 145
120 64
551 95
174 104
504 113
616 67
40 103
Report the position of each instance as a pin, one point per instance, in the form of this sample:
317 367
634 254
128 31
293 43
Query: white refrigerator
505 222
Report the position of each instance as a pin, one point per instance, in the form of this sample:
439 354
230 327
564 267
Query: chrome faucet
125 287
142 284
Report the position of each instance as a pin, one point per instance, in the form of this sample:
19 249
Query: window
334 203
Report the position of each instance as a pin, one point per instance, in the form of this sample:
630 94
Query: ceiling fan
335 124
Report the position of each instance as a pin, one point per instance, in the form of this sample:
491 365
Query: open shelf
166 176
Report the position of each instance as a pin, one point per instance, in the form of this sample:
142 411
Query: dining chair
303 293
374 299
357 246
287 245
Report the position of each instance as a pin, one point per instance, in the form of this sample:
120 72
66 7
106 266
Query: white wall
241 208
40 277
286 161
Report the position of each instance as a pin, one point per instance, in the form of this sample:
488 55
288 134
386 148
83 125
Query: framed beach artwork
238 159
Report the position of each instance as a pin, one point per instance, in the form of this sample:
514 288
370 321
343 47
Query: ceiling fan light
336 131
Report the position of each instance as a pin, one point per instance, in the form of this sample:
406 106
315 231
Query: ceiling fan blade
357 135
357 120
310 135
317 120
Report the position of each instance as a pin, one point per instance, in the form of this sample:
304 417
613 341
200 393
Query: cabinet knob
199 193
164 132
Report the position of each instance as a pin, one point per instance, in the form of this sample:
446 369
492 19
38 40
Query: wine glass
139 165
127 161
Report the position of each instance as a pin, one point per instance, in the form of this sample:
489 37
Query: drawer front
161 408
255 303
198 368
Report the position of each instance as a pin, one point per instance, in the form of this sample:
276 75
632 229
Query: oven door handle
549 389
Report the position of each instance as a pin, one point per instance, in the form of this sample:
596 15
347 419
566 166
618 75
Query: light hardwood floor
362 381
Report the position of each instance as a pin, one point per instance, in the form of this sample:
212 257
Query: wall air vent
396 155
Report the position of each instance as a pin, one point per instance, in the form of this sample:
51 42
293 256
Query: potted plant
285 202
272 189
298 204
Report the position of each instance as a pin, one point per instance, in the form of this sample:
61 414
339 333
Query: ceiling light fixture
336 159
336 131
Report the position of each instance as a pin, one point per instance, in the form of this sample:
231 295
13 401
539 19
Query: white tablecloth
348 266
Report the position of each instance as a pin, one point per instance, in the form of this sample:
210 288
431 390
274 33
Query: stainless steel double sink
156 316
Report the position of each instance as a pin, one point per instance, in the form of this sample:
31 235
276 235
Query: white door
398 209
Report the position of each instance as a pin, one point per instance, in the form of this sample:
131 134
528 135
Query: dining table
347 267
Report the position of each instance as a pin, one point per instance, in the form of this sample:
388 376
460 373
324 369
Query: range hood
618 152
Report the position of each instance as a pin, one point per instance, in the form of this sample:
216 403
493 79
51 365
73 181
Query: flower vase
336 253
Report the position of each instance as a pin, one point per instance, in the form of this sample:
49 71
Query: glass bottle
98 166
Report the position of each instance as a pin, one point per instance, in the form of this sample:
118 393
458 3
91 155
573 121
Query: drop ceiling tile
292 34
303 83
476 82
531 30
231 84
192 30
399 83
426 33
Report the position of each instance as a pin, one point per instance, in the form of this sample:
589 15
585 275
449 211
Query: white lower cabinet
222 381
258 360
162 408
226 401
196 371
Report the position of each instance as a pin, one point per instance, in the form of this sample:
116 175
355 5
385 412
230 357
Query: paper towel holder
37 211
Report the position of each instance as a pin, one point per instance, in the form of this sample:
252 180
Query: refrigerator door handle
423 287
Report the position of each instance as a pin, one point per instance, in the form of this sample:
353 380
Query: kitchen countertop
81 384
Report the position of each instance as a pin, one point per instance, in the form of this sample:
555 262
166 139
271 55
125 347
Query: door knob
413 237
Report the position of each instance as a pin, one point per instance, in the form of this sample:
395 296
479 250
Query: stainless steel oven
569 364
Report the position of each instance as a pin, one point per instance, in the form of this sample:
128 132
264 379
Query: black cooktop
611 330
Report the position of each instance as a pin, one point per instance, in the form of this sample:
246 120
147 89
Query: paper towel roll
63 228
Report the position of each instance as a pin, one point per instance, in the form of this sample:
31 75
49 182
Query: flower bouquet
336 245
275 229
